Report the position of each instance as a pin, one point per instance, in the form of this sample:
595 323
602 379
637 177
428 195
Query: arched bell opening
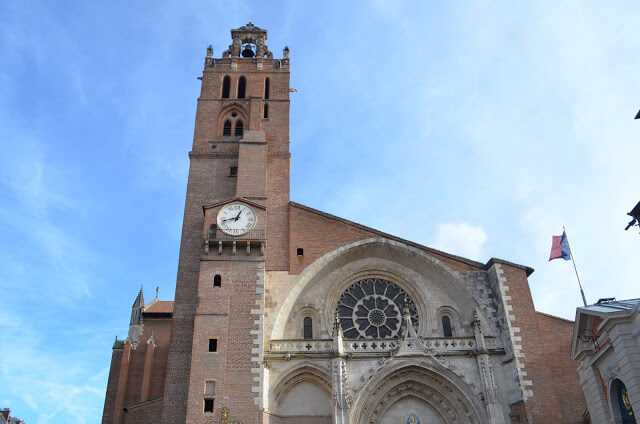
242 87
226 87
248 50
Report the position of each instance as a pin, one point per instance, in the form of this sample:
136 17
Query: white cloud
461 239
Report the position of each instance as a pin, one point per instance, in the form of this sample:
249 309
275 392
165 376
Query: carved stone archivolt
440 389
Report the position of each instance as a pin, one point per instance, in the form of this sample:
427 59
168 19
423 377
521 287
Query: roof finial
157 291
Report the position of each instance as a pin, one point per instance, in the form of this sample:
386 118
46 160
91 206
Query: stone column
485 367
594 392
341 400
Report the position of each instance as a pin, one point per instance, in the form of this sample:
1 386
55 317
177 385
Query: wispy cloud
479 128
44 379
461 239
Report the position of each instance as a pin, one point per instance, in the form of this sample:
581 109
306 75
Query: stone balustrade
299 345
371 346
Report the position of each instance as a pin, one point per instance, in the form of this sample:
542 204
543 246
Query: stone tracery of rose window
372 309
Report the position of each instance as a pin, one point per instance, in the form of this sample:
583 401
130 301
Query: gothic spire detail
139 302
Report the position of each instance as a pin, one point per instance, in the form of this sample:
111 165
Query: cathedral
284 314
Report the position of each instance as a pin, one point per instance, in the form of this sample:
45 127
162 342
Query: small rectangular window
208 405
300 251
210 387
213 345
233 171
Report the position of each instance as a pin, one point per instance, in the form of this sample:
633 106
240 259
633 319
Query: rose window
372 309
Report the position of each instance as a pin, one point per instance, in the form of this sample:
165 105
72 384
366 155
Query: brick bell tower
235 228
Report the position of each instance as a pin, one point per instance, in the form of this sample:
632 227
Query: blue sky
480 128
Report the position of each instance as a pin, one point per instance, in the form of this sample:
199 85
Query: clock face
236 219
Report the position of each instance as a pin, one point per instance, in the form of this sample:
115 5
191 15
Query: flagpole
584 300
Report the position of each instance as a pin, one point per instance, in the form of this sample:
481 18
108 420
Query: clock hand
237 216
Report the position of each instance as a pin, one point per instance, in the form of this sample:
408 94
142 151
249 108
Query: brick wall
112 386
139 362
209 183
541 348
231 313
146 413
319 233
556 335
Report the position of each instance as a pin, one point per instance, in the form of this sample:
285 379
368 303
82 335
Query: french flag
560 247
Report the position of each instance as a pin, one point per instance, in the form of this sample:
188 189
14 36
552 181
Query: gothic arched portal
434 391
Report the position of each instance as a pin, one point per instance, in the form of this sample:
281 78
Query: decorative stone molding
447 394
611 373
392 269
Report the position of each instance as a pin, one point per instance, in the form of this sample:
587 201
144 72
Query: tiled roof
160 307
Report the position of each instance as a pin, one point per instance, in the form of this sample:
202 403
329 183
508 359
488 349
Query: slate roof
612 306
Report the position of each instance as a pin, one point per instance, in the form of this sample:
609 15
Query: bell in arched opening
248 50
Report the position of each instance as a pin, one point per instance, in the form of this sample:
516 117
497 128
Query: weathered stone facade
606 341
310 318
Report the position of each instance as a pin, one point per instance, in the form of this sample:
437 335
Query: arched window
227 128
266 111
242 86
226 86
217 281
308 328
239 128
446 326
267 88
621 404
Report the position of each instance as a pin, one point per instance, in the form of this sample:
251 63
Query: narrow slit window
242 87
213 229
233 171
226 85
308 328
239 127
213 345
267 88
208 405
300 251
217 281
446 326
266 111
227 128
